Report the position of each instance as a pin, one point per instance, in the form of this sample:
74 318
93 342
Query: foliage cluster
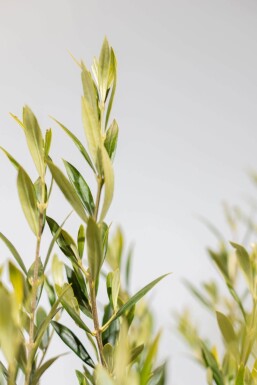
118 347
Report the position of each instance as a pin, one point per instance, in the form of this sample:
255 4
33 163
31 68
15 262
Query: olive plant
235 310
119 346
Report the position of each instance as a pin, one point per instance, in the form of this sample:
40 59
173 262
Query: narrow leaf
94 248
73 343
68 190
14 252
77 142
81 187
28 199
108 182
111 139
136 297
92 129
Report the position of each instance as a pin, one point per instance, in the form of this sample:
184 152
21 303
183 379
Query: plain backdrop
186 106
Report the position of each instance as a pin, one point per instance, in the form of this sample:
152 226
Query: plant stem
35 284
96 321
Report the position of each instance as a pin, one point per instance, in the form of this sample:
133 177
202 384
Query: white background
186 107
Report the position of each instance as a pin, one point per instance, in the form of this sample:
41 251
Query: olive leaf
28 199
94 249
72 341
136 297
110 142
34 138
77 142
68 190
14 252
81 187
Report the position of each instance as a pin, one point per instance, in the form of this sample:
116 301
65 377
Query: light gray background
186 106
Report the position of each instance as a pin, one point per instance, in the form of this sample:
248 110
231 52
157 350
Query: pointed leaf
41 370
94 248
81 240
111 139
14 252
92 129
81 187
68 190
90 91
78 143
136 297
73 342
108 182
104 68
114 72
28 200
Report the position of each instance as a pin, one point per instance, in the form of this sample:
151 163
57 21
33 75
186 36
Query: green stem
35 284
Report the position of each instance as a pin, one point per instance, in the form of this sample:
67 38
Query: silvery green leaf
104 68
77 142
92 129
81 187
28 200
72 341
94 249
111 139
108 181
14 252
68 190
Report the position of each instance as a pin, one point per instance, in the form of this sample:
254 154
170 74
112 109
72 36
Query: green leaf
80 291
48 141
28 200
17 280
81 186
57 232
113 286
70 304
73 343
111 139
240 376
81 240
50 292
114 72
103 69
30 276
41 370
14 252
243 259
63 240
94 249
148 363
78 143
135 352
108 352
81 378
211 362
111 334
198 295
108 182
68 190
92 129
90 91
41 331
136 297
34 138
158 376
11 158
226 328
